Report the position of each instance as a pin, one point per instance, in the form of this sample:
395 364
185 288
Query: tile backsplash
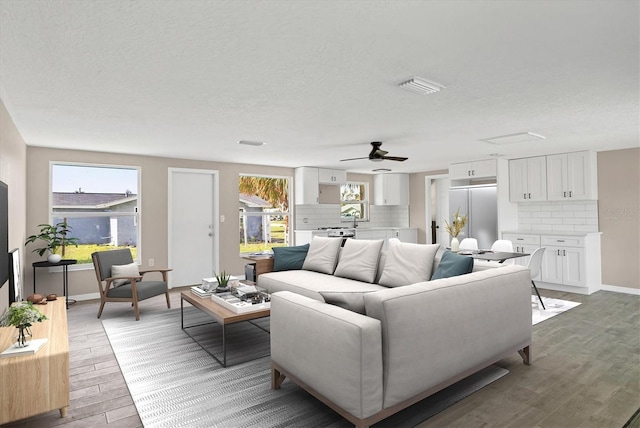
311 217
560 216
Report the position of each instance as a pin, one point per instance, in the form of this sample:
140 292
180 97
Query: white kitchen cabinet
526 244
571 262
572 176
564 260
332 176
476 169
305 236
391 189
528 179
306 186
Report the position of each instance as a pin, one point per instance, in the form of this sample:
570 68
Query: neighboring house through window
354 201
264 212
100 203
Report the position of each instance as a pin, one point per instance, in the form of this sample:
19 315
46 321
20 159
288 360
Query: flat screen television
4 233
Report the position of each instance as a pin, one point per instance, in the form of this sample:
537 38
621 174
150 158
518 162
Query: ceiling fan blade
395 158
351 159
379 153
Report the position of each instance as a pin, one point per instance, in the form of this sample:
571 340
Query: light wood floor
586 371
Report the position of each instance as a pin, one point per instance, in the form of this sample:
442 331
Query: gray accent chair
134 291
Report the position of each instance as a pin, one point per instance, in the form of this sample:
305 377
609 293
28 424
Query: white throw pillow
407 263
359 259
124 270
322 255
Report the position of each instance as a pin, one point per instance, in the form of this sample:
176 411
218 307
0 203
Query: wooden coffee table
221 315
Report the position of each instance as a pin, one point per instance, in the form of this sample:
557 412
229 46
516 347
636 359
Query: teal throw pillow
452 264
289 258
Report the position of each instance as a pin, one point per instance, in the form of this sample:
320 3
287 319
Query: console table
264 264
65 275
38 383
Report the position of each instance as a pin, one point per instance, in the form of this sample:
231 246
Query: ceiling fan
378 155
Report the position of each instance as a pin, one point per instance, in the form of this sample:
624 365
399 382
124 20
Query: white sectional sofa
369 350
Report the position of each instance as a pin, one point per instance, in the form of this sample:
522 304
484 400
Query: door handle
565 194
564 253
529 195
570 192
558 252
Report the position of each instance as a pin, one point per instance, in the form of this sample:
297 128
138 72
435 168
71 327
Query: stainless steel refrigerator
480 204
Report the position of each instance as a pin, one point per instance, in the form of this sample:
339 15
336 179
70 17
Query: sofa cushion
359 259
407 263
351 300
130 269
310 283
289 258
322 255
453 264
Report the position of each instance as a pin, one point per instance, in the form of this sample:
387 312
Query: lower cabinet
564 265
570 262
403 234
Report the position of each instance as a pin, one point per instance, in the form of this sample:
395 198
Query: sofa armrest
336 352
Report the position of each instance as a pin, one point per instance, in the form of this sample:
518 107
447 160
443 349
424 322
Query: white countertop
550 232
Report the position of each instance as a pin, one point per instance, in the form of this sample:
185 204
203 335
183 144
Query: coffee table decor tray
243 299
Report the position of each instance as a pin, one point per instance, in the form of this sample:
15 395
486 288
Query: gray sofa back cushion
359 259
322 255
407 263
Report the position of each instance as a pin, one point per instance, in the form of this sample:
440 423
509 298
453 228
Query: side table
65 275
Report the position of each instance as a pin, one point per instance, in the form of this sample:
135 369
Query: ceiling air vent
421 86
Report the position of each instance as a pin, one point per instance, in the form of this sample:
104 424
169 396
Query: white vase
54 258
455 245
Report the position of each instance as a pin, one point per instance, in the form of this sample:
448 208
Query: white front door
193 229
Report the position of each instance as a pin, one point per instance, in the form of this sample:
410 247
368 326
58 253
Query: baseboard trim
82 297
624 290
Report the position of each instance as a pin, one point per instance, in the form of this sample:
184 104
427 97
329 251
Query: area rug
553 307
174 382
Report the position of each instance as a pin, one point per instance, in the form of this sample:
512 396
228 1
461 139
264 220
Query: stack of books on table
198 291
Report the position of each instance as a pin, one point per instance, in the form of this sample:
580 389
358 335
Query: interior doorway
437 208
193 229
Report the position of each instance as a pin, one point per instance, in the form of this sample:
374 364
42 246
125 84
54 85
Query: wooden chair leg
168 300
135 307
101 308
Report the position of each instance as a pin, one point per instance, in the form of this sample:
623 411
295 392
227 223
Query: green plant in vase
21 315
223 281
55 237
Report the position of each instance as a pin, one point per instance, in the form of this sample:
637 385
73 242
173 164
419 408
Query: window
354 201
264 212
100 203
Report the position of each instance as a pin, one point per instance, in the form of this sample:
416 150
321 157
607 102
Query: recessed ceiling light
251 143
521 137
381 170
496 155
420 85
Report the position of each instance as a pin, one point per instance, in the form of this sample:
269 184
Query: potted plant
22 315
223 281
55 237
454 229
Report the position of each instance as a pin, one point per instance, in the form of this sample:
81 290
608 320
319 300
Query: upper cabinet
306 188
391 189
476 169
528 179
572 176
332 176
308 179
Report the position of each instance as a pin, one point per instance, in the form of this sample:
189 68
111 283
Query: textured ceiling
317 80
